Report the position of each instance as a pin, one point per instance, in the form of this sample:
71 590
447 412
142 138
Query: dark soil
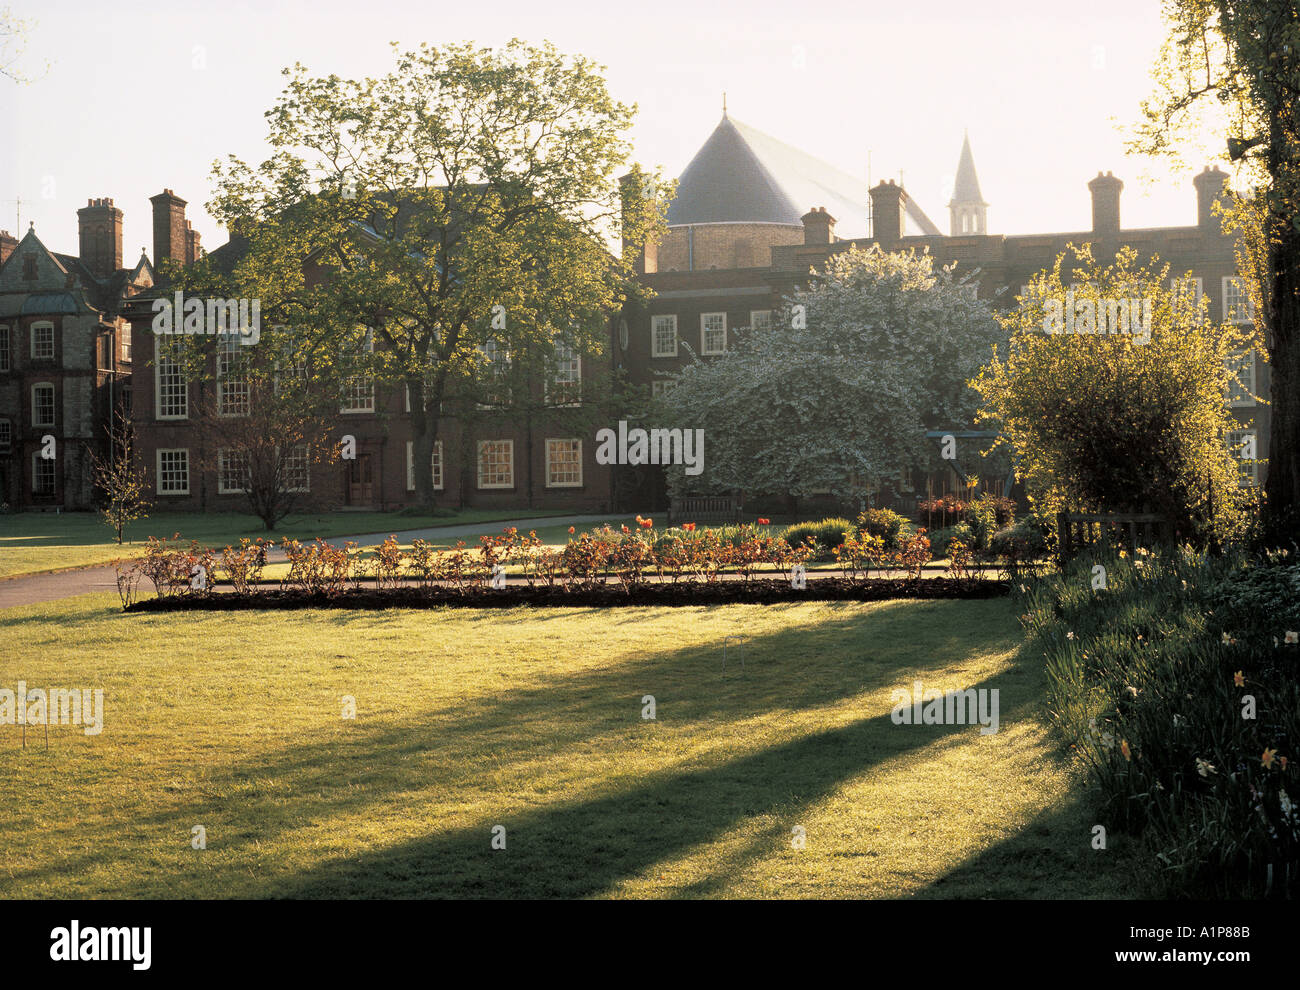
756 592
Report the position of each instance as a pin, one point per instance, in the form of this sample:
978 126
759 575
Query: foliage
824 536
1108 423
459 206
837 395
888 525
1148 681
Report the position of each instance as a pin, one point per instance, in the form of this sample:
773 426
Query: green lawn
33 542
468 719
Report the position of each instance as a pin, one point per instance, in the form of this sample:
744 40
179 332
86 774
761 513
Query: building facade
741 192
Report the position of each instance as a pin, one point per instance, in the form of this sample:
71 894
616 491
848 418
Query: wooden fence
704 509
1077 530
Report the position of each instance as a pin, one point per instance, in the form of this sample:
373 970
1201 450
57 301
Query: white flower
1285 801
1205 767
1070 634
1131 690
1292 637
1179 720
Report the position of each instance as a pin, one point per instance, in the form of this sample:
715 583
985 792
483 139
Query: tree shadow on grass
581 848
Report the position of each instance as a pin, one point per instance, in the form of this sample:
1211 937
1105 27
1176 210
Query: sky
131 97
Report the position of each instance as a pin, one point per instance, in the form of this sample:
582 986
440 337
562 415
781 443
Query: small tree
121 479
1108 421
838 394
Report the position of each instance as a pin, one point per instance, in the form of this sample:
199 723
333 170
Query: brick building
753 215
65 358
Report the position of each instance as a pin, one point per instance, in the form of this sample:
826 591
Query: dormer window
29 267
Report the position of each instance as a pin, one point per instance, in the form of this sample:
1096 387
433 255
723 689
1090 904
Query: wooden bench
704 509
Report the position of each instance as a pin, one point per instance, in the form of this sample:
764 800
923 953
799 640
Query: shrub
1148 680
941 540
827 534
888 525
914 554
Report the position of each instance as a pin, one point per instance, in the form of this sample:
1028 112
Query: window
1187 294
496 464
42 341
43 404
125 343
565 389
437 465
359 390
43 474
760 319
233 398
1241 387
232 472
6 434
171 391
1236 301
970 290
663 336
1242 444
563 463
496 390
174 471
659 389
295 469
290 373
713 333
5 362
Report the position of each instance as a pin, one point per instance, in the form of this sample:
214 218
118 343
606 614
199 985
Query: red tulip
764 522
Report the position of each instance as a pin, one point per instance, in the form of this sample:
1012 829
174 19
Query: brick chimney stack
99 226
887 204
818 226
171 241
8 243
1105 191
192 251
1209 188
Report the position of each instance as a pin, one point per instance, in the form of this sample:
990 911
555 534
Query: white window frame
124 344
223 470
6 348
359 390
39 465
510 448
158 465
760 319
6 433
1250 364
576 448
438 481
556 385
659 388
1242 298
229 382
706 330
1247 470
655 350
300 451
161 344
42 325
54 404
1178 288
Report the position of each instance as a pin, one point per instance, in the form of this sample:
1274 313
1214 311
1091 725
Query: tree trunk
425 416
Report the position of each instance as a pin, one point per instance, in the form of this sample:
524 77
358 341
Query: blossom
765 522
571 529
1239 679
1131 690
1228 639
625 529
1267 758
1205 767
645 523
1070 634
1284 800
689 527
1123 748
1292 637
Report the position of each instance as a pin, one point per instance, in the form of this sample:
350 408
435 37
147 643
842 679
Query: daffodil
1239 679
1267 758
1123 748
1205 767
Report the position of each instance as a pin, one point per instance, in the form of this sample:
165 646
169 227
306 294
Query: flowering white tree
837 395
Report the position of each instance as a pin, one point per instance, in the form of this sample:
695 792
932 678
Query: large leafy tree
838 394
460 205
1110 421
1231 68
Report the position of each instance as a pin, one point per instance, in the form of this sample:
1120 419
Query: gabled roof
966 186
742 175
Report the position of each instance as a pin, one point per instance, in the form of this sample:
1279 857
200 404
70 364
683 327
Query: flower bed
644 566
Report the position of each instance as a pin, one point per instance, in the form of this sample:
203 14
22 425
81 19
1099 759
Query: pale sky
123 111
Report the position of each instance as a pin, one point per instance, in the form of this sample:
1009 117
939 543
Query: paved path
65 584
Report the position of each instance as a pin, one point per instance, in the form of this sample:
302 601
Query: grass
533 720
36 542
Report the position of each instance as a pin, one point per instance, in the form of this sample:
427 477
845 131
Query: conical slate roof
966 186
742 175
